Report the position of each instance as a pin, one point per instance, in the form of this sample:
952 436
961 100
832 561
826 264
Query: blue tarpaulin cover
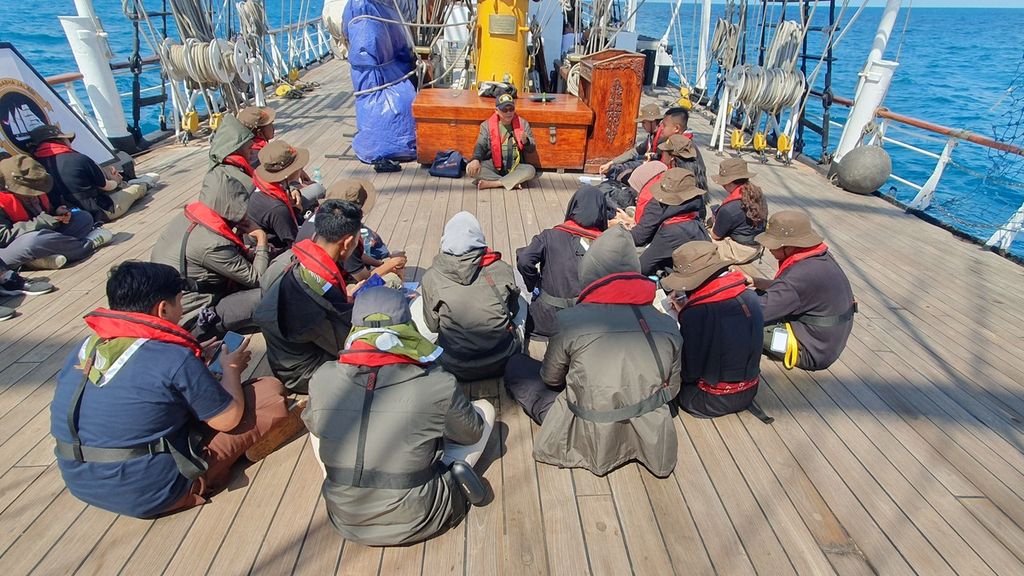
380 53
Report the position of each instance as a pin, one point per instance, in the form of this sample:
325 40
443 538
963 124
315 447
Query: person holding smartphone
34 231
142 427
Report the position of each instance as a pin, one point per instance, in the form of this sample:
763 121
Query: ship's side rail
888 121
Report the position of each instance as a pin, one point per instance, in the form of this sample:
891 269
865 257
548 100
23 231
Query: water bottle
317 176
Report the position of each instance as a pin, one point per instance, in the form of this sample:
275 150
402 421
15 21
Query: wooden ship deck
907 456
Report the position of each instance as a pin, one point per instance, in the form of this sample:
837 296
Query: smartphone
232 340
780 340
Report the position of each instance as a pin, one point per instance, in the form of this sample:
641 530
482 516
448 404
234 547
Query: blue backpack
448 164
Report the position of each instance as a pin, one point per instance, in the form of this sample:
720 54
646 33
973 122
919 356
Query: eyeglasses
507 108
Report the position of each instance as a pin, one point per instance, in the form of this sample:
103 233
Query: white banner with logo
27 101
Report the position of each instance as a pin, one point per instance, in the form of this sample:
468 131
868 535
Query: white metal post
1003 238
630 9
701 82
924 195
872 85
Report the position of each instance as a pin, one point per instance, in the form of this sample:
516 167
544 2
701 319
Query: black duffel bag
448 164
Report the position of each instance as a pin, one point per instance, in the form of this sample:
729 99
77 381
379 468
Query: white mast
873 84
92 54
701 82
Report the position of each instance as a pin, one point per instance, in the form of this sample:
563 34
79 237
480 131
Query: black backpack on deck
448 164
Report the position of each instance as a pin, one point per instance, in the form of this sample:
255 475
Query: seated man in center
394 433
498 155
470 299
305 314
271 206
603 391
671 219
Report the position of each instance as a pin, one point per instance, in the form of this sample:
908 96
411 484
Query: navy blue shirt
157 393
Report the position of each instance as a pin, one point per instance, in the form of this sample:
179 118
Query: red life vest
239 161
277 192
490 257
645 196
722 288
803 254
51 148
734 196
10 203
576 230
685 217
203 215
619 288
494 128
258 142
108 324
364 354
317 261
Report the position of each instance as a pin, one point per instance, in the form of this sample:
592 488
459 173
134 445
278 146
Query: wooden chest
611 81
450 120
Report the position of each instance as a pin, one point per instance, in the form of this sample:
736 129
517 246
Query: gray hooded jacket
225 178
217 264
615 405
404 495
469 298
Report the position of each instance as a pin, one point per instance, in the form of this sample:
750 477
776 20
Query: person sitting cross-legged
78 182
471 302
204 243
271 206
721 323
143 427
394 433
610 371
32 231
305 314
809 305
498 156
741 216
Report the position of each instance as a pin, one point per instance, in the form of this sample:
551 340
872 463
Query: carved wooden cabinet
611 83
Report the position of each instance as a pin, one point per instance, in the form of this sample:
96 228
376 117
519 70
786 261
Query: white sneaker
55 262
149 179
99 237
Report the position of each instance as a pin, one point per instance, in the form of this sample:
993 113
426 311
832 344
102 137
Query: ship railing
304 44
888 121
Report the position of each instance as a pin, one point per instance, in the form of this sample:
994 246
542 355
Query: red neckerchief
684 217
576 230
364 354
317 261
735 195
490 257
109 324
48 149
205 216
495 131
722 288
645 196
653 147
619 288
239 161
258 142
277 192
10 203
803 254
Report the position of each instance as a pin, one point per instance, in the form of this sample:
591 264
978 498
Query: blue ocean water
955 67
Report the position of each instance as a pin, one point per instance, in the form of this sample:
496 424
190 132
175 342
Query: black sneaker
12 284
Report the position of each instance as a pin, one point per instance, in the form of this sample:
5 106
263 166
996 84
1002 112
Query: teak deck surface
907 456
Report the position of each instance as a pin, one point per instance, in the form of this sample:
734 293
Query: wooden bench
450 120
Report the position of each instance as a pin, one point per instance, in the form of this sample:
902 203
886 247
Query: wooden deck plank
112 551
321 549
605 545
525 551
675 522
649 555
563 531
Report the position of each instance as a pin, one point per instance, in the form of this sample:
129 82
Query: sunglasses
507 108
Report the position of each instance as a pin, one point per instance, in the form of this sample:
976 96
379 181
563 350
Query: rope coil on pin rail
206 63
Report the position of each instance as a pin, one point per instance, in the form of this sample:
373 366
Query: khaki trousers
522 173
123 198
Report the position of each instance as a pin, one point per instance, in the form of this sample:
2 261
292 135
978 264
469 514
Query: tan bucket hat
679 146
649 113
677 186
789 228
255 117
279 160
644 173
693 264
22 175
355 190
731 170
